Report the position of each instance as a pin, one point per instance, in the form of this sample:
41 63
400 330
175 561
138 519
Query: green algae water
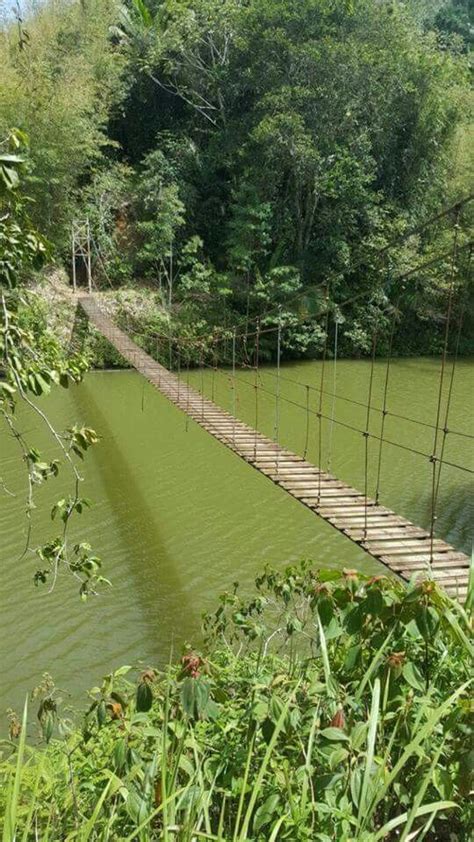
177 518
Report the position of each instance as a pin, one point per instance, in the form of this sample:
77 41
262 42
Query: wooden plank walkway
394 541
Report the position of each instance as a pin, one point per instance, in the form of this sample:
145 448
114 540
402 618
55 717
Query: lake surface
177 518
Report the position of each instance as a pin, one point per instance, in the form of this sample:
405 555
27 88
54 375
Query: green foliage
32 363
59 74
324 707
21 247
284 136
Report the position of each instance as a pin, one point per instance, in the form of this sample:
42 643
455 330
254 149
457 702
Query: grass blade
435 807
371 737
9 830
263 768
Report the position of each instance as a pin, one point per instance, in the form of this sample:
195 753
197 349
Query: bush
327 707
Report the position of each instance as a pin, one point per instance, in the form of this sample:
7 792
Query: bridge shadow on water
153 576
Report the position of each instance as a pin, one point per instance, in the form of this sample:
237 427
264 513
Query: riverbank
139 309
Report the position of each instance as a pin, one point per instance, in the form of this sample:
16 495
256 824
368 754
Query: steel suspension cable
306 440
158 359
201 364
366 433
256 385
441 383
384 406
277 399
347 426
333 405
188 357
213 373
362 404
320 425
234 408
451 384
178 366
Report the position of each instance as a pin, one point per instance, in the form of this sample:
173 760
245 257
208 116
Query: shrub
327 707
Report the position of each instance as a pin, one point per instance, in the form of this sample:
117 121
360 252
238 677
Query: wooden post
73 256
89 263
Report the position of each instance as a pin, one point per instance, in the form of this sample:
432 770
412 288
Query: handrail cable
362 404
347 426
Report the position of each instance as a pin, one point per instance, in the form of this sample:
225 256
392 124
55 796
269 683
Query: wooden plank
310 489
372 522
401 547
439 559
389 534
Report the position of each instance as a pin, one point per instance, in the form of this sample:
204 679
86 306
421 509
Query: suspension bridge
401 546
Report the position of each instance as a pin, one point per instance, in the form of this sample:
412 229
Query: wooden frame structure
81 248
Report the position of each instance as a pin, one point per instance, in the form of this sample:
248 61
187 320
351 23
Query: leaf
265 812
101 713
9 158
413 676
356 785
354 620
325 610
144 13
144 699
352 657
334 734
10 177
48 726
119 754
373 603
7 387
336 757
427 621
201 691
333 630
188 696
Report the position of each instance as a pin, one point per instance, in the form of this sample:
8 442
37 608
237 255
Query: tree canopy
267 139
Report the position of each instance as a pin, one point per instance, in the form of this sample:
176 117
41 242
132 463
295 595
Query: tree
32 364
59 74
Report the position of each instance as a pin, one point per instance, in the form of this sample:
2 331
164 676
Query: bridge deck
396 542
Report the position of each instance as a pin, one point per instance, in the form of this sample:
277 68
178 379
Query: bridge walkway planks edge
394 541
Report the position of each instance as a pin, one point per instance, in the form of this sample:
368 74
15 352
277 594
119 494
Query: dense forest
241 156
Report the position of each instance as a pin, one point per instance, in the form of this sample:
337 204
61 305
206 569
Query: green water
177 518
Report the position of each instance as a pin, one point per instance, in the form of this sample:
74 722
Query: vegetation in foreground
327 707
